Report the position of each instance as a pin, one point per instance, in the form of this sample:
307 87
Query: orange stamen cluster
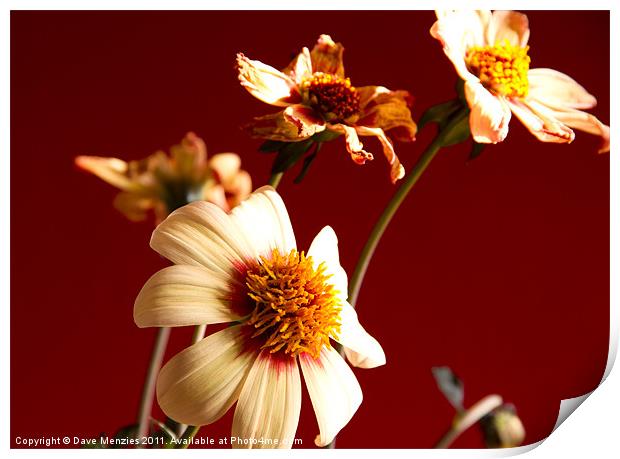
501 68
334 97
296 308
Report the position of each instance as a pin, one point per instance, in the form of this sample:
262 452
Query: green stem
189 433
275 178
398 198
148 391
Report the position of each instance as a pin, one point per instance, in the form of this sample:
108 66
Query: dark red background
498 267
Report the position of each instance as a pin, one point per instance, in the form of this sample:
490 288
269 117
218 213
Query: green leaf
439 113
450 386
457 129
325 136
476 150
459 87
307 162
290 154
271 146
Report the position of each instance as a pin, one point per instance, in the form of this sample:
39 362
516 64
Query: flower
489 52
317 96
283 306
502 428
164 183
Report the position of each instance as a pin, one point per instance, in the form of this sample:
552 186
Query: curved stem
275 178
148 391
189 433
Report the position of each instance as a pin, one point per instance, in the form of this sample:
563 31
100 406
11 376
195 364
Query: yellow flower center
334 97
296 308
501 68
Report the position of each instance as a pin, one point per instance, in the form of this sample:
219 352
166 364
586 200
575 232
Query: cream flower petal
110 170
397 171
540 122
352 141
239 188
361 349
202 234
182 295
294 123
334 391
557 90
264 221
457 31
388 111
324 249
269 404
327 56
226 165
198 385
266 83
300 67
508 25
490 115
586 122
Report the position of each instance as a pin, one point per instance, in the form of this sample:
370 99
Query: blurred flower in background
318 98
502 427
164 182
284 307
490 53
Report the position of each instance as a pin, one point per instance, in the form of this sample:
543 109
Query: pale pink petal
294 123
198 385
334 391
110 170
266 83
264 221
586 122
397 171
202 234
269 404
183 295
354 146
300 67
324 249
539 121
490 115
327 56
226 165
361 349
508 25
557 90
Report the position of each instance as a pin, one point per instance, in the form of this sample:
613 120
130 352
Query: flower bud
502 428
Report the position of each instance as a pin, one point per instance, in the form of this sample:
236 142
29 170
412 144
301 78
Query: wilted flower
502 427
283 306
318 97
490 53
164 183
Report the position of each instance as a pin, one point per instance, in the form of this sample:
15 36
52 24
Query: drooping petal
266 83
292 124
508 25
361 349
539 122
264 220
327 56
269 404
110 170
557 90
183 295
324 249
354 146
389 111
199 384
397 171
202 234
457 31
490 115
334 391
300 67
134 205
586 122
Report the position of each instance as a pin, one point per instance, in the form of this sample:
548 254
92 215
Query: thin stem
275 178
189 433
148 391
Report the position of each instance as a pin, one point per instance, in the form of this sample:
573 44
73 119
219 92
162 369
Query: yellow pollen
501 68
334 97
296 308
